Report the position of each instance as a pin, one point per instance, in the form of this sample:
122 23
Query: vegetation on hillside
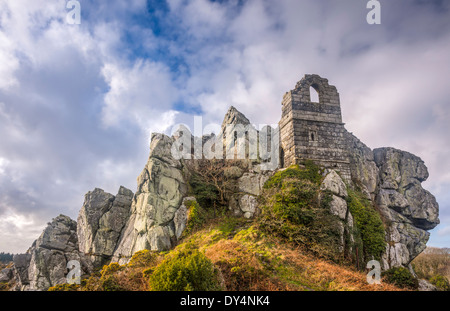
230 254
368 223
401 277
434 265
292 245
292 209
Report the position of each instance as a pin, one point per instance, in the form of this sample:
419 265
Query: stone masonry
311 130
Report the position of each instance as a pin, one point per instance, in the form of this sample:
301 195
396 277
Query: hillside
244 257
294 244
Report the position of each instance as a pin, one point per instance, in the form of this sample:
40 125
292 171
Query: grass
245 258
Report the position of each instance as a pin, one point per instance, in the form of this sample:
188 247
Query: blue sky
78 102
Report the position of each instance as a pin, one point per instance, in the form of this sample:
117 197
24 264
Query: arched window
313 95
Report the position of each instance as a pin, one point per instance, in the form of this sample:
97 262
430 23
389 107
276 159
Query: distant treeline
6 257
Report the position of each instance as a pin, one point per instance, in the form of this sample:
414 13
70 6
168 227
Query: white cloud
3 164
143 94
18 231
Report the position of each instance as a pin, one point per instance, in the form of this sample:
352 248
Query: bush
291 209
196 218
310 172
205 192
143 258
440 282
369 223
109 277
401 277
188 269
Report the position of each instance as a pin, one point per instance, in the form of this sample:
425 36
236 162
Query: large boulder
101 221
392 179
425 286
403 172
45 263
249 186
161 188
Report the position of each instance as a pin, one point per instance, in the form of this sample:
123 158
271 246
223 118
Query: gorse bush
143 258
187 269
109 277
441 282
369 224
401 277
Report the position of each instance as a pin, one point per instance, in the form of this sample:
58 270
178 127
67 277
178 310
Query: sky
78 102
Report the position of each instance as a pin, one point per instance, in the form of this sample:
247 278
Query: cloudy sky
78 102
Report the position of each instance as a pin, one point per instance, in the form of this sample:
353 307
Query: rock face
425 286
181 217
338 205
161 188
6 274
45 263
101 221
408 208
233 116
244 201
401 174
392 179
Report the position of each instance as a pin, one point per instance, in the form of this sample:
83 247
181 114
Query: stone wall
314 131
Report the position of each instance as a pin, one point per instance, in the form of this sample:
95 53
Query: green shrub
369 223
310 172
109 277
188 269
296 200
292 210
110 269
196 217
401 277
228 225
143 258
441 282
205 192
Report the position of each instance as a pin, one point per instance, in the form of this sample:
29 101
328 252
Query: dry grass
248 260
318 274
431 262
241 268
253 261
